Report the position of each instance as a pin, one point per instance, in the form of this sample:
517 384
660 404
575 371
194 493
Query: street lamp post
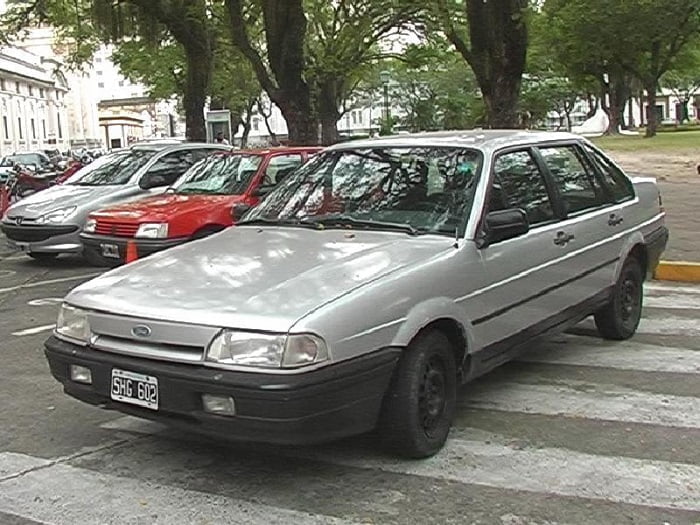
385 76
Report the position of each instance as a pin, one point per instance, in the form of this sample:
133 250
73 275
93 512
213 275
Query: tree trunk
328 112
246 128
498 39
199 71
652 123
302 126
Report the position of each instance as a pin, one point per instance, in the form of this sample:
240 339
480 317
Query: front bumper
93 243
329 403
60 238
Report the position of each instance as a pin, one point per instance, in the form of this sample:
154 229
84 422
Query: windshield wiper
345 220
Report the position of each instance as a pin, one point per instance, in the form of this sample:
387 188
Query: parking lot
576 431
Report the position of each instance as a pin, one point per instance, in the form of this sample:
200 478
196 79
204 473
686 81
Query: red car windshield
219 175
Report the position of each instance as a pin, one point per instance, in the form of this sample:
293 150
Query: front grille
115 229
34 232
159 351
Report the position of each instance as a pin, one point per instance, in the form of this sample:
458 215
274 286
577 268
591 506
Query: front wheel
420 404
619 318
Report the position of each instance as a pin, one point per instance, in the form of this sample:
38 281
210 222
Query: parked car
197 205
49 222
37 161
366 287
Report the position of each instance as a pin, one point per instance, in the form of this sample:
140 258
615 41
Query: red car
197 205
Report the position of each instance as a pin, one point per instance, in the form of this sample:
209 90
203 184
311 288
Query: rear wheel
42 256
420 404
620 317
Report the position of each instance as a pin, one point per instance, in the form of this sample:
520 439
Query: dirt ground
680 190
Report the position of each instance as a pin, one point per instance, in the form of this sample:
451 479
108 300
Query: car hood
253 278
163 207
60 196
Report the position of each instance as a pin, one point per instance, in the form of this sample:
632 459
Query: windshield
28 159
115 168
220 175
417 190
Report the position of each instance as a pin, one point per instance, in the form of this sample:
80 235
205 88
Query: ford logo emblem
141 330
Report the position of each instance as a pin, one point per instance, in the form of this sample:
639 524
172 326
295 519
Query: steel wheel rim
432 395
629 299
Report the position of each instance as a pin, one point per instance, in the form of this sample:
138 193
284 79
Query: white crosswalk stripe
545 385
61 494
622 355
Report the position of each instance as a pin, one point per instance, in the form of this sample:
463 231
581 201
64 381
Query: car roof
476 138
277 149
170 146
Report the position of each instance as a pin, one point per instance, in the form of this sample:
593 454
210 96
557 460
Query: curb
688 272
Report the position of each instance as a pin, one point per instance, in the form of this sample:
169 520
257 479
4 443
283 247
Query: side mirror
505 224
152 181
239 210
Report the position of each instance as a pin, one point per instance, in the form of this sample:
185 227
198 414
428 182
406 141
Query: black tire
619 318
420 404
95 259
38 256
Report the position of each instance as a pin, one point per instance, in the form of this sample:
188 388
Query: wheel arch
634 247
444 315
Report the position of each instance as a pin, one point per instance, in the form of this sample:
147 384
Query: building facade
33 105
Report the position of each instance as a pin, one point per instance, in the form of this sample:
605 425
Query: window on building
32 123
6 127
19 126
43 127
359 117
42 92
255 123
2 84
31 90
99 73
17 87
98 59
58 125
100 84
354 117
121 83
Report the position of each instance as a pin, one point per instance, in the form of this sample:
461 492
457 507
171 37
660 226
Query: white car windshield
219 175
412 189
113 169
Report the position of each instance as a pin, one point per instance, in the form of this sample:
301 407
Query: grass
686 141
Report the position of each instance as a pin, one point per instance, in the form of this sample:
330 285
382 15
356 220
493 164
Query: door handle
614 220
563 238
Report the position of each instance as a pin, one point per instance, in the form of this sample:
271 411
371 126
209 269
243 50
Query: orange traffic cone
131 253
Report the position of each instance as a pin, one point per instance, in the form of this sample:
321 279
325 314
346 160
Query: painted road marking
623 355
586 400
60 494
671 288
669 326
34 331
673 301
46 301
51 281
544 470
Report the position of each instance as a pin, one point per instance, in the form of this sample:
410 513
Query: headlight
72 324
57 216
90 226
156 230
266 351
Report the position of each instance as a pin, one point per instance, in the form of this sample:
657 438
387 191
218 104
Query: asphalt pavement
578 430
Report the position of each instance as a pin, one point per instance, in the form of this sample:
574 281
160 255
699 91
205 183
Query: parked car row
358 294
155 195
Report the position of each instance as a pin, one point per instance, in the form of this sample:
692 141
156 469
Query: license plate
19 246
135 389
110 250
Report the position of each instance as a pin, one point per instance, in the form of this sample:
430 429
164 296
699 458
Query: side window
279 167
620 186
169 167
578 187
518 183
